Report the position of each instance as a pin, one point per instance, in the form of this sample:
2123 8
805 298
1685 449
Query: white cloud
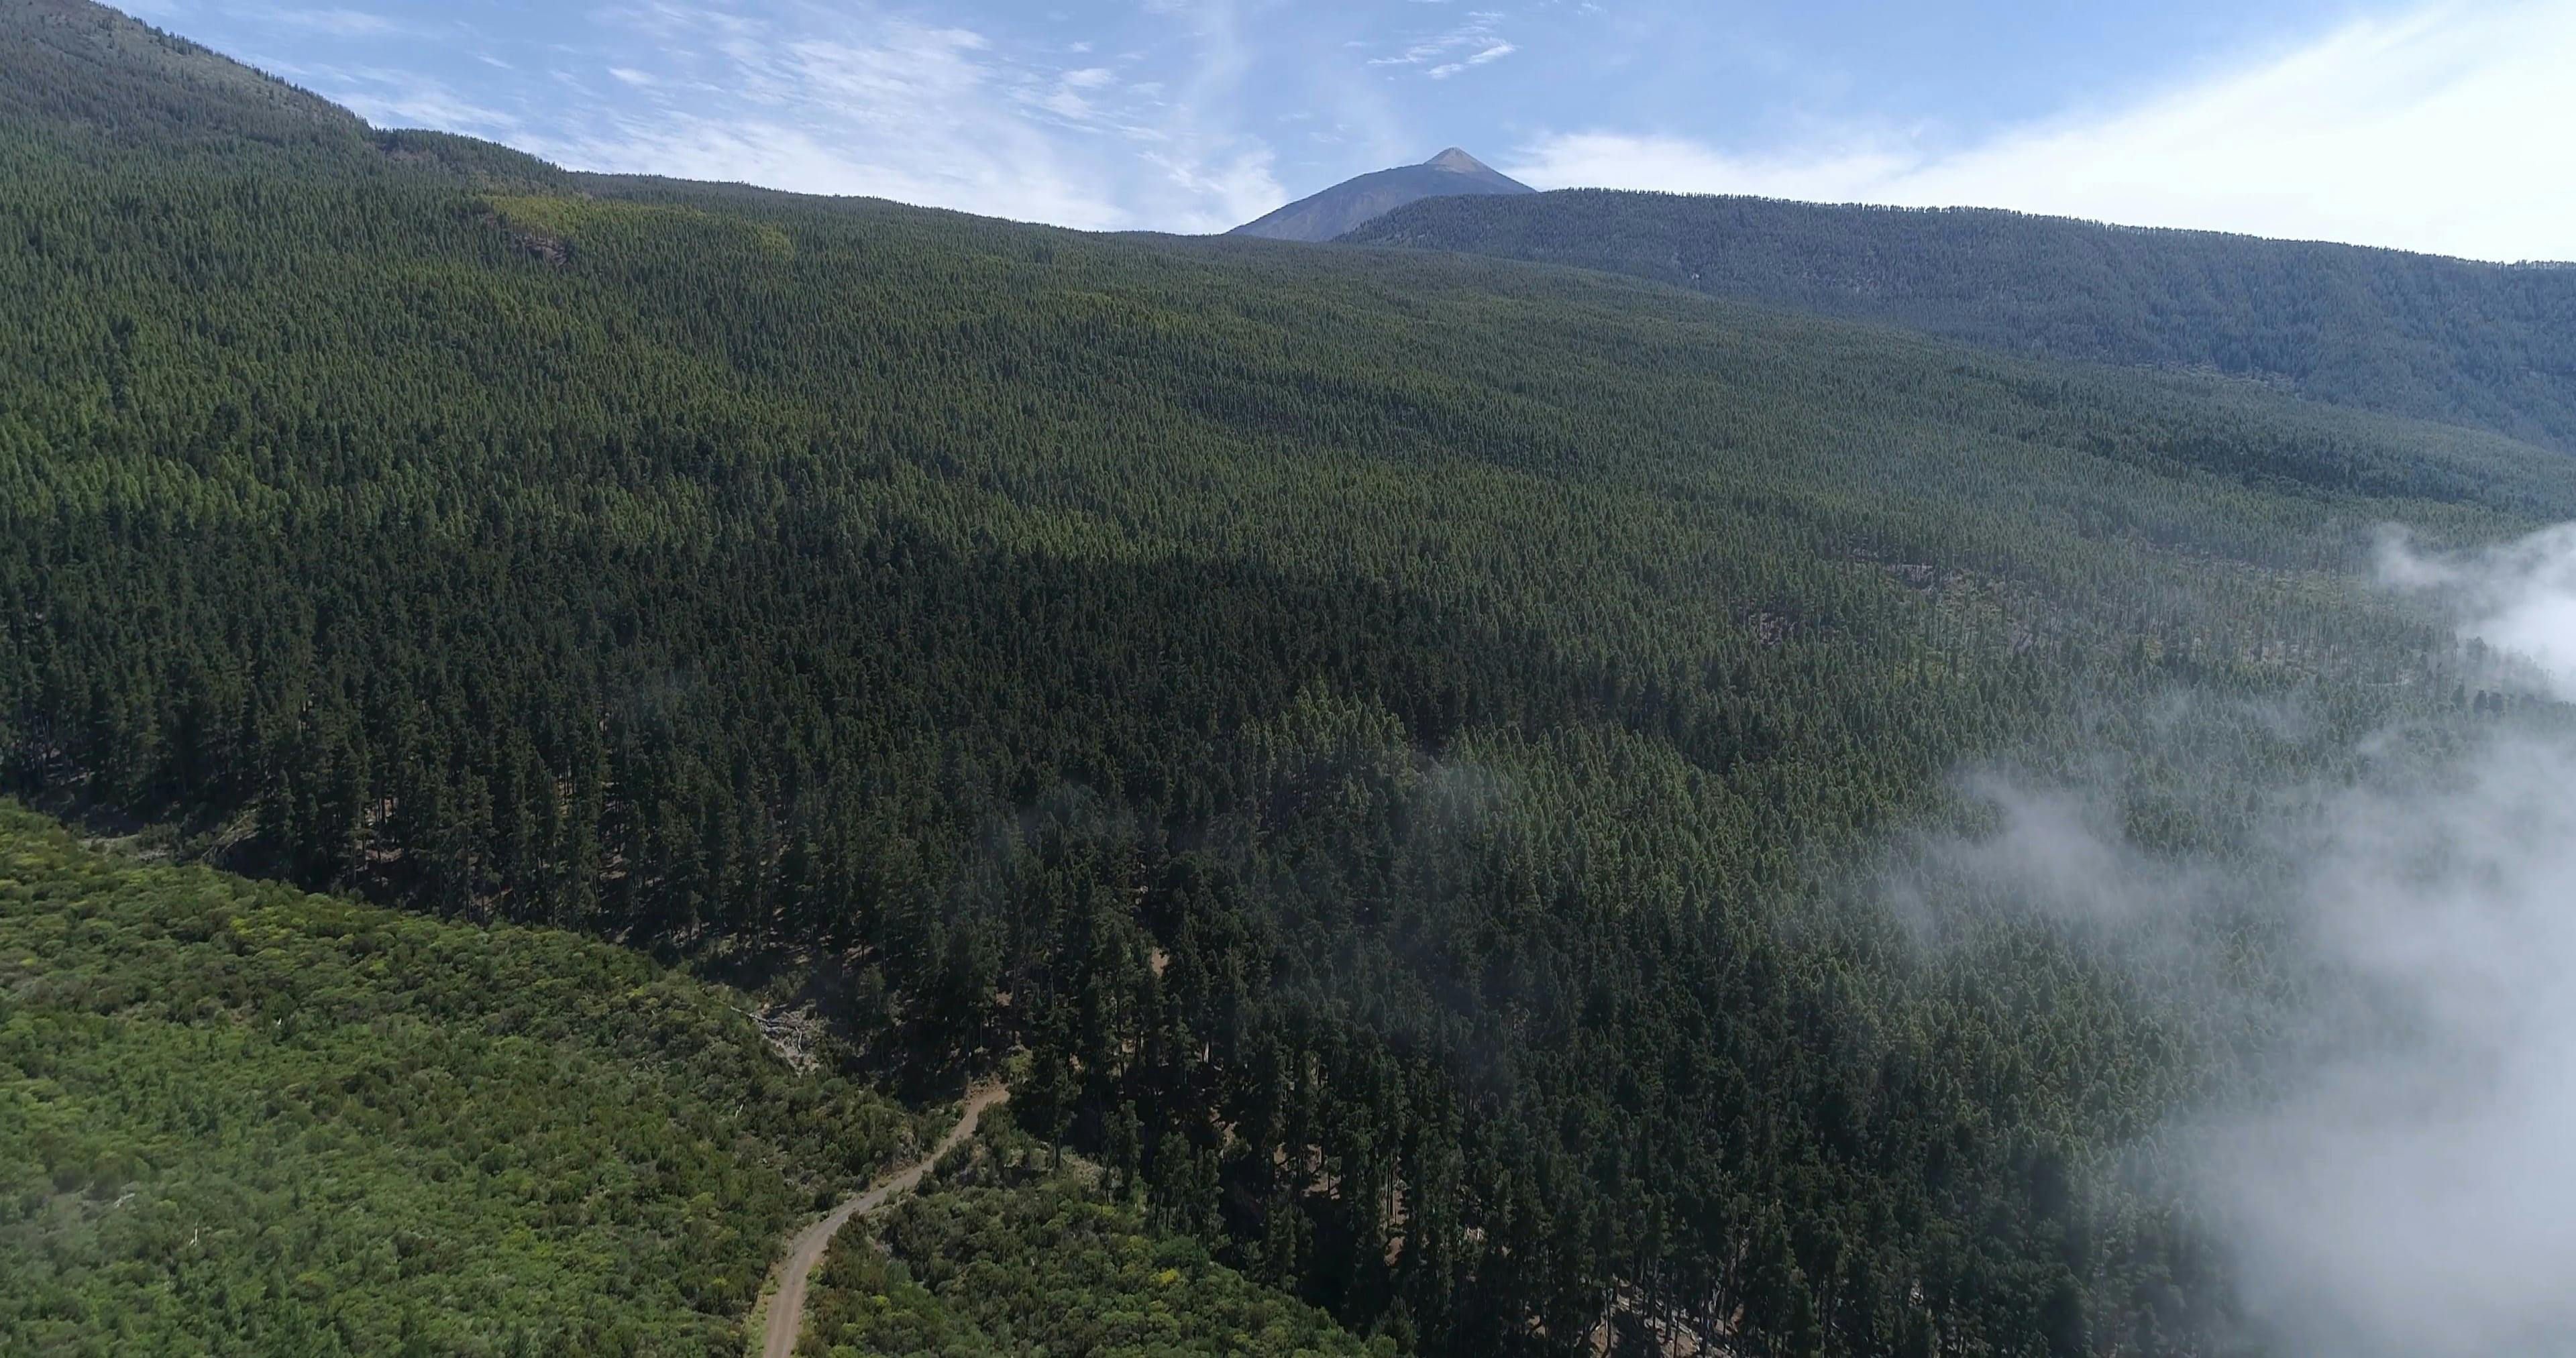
2518 597
962 107
1619 161
391 98
2442 130
863 106
851 100
1440 54
2392 957
338 23
2409 1192
1213 177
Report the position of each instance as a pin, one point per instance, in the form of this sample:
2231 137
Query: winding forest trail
783 1317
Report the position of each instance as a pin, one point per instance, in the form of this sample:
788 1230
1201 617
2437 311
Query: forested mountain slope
69 59
1392 723
236 1119
2484 345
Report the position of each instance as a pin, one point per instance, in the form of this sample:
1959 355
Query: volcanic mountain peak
1346 205
1456 159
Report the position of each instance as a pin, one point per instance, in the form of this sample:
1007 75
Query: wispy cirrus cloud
2430 129
861 104
1494 51
389 96
2440 129
1474 41
339 23
1100 121
846 99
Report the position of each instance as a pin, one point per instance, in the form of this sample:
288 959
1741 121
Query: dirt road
784 1316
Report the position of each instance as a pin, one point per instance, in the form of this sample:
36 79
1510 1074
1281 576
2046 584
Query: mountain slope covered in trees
2483 345
1397 725
132 84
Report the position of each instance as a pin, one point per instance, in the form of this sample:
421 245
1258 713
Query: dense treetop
1011 1250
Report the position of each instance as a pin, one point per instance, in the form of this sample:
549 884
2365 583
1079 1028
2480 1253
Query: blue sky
2435 126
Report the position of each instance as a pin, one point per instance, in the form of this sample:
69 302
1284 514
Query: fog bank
2398 1174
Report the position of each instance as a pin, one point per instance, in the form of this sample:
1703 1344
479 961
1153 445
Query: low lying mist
2392 1171
2518 598
2408 1188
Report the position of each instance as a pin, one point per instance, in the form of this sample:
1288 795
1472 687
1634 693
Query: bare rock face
1346 205
1460 161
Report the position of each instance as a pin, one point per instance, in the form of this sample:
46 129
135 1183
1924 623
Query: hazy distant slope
1328 214
2484 345
73 62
